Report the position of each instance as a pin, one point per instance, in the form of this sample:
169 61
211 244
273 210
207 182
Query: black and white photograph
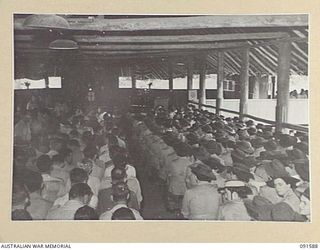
160 117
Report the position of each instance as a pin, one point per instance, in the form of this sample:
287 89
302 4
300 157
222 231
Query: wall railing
259 119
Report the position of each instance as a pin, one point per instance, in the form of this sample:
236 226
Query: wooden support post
244 83
190 75
202 83
273 82
284 58
170 71
220 78
134 81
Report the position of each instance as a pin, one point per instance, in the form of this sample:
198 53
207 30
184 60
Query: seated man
120 160
55 146
233 208
77 175
77 155
80 195
202 201
53 187
177 176
39 207
58 169
98 167
120 195
132 183
22 129
123 213
86 213
93 181
105 195
68 158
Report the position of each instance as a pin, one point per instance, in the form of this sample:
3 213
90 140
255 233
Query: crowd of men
304 94
69 165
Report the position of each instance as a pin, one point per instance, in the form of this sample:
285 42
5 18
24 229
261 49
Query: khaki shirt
177 175
201 202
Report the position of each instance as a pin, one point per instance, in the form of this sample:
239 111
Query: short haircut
20 214
123 213
44 163
19 193
120 191
90 152
79 190
86 213
78 175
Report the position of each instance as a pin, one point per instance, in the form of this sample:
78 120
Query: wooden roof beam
179 38
166 39
200 46
182 23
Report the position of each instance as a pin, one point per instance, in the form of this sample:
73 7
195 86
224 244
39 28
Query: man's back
201 202
177 175
66 212
105 201
39 207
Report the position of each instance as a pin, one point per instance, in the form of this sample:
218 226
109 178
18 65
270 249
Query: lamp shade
63 44
46 21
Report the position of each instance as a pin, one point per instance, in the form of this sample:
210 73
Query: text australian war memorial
161 117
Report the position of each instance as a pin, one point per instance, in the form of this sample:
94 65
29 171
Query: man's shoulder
54 212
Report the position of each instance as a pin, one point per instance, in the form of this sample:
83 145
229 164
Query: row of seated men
217 168
73 171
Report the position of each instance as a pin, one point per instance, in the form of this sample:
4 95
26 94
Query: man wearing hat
259 208
283 184
284 187
233 208
202 201
286 142
301 171
262 174
257 144
215 150
177 175
243 153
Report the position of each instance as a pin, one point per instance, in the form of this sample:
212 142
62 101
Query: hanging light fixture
46 21
63 44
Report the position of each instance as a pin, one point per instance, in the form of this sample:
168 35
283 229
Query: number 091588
309 246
